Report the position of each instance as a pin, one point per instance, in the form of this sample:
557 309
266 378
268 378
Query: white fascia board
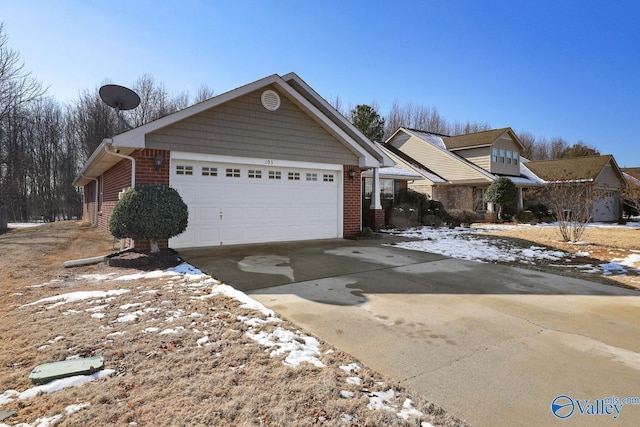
99 162
384 160
135 138
366 159
196 157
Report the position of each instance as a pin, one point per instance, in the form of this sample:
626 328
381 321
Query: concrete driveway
494 345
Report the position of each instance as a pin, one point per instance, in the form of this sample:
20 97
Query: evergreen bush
149 212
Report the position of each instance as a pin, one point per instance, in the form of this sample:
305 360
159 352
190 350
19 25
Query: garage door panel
256 209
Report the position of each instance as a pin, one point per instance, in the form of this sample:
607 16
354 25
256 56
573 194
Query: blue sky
554 68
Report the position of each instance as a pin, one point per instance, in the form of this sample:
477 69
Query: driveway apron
491 344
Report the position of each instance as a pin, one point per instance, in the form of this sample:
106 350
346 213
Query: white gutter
124 156
133 176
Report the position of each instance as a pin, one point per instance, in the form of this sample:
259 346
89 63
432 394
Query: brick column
352 201
376 219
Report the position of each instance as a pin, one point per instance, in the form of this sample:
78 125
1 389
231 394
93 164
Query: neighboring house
268 161
632 175
600 172
457 170
392 179
632 199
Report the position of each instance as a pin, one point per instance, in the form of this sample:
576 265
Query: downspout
124 156
95 214
133 177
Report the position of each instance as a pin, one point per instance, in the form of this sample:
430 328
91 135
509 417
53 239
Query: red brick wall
146 172
352 202
118 178
376 219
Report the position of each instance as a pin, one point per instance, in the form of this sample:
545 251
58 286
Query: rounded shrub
149 212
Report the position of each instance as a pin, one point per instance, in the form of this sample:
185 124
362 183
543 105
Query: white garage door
254 201
607 208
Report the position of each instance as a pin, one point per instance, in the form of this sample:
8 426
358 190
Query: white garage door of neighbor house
607 208
234 203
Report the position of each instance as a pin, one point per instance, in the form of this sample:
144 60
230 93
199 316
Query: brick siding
352 202
118 178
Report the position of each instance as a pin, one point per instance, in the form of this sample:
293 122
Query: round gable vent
270 100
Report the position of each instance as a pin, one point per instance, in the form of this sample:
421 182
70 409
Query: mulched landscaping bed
132 259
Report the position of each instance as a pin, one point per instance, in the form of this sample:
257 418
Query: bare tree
203 93
572 202
154 101
462 128
557 147
93 121
415 117
17 85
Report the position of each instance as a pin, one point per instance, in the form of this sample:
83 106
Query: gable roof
632 181
294 88
634 172
479 139
436 141
407 163
581 169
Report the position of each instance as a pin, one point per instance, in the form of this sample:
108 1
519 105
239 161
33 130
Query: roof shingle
470 140
574 169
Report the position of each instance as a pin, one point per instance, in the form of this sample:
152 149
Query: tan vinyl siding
478 156
507 144
243 127
442 163
608 178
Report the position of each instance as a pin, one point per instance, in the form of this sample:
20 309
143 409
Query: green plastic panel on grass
42 374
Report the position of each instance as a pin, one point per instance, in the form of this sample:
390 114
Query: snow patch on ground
469 244
294 346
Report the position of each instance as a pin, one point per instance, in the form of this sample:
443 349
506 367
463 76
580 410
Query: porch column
376 214
375 190
520 200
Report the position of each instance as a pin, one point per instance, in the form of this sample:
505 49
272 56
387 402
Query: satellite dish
119 97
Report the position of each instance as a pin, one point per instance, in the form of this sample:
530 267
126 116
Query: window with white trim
515 157
233 173
254 174
184 170
275 175
294 176
209 171
508 157
312 176
494 156
327 177
501 155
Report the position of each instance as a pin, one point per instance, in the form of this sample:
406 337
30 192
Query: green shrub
149 212
461 217
525 217
412 209
403 217
542 213
432 221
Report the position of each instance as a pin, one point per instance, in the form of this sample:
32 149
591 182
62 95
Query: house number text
268 162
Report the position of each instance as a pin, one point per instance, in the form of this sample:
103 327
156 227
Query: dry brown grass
162 379
604 244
